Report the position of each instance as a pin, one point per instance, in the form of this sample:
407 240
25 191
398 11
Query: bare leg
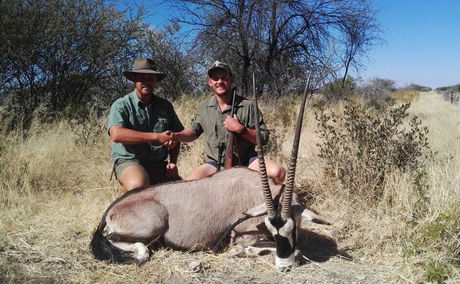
134 177
201 172
274 171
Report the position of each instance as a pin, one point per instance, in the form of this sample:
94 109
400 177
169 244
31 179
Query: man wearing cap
213 118
141 127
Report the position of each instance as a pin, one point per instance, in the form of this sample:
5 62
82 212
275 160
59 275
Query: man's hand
170 144
232 124
171 170
165 137
186 135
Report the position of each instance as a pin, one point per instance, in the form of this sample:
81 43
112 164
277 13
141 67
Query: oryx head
279 220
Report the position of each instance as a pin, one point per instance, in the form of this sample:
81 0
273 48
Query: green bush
340 88
361 145
416 88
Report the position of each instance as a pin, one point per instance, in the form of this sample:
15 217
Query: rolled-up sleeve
117 116
196 125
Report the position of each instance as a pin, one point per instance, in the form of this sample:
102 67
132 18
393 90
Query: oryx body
187 215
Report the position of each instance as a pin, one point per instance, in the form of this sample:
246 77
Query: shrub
417 88
404 96
377 91
340 88
361 145
454 88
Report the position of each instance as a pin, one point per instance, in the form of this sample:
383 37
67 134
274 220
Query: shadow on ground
316 247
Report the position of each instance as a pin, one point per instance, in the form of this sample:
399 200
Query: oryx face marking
284 233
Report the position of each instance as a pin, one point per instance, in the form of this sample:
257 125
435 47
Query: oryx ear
257 211
313 217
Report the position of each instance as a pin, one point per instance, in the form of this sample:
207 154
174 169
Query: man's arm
127 136
171 166
174 154
186 135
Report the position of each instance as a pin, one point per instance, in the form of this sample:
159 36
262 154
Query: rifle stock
229 151
230 139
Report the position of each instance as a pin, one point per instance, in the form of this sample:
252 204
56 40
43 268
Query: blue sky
422 41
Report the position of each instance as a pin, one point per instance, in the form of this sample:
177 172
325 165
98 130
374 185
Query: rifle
230 139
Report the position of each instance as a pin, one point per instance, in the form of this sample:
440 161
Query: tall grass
55 186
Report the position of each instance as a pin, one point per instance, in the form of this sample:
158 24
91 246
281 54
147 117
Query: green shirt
130 112
210 120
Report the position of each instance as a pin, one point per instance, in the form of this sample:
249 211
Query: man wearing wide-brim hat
214 120
141 127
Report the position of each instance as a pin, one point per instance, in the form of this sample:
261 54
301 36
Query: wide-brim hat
219 65
144 66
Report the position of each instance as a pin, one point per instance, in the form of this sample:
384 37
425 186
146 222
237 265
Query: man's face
220 81
145 83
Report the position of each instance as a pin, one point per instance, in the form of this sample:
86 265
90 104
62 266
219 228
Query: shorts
156 171
214 163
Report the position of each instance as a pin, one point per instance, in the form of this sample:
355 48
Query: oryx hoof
141 253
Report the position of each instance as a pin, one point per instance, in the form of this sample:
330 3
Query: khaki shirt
210 120
130 112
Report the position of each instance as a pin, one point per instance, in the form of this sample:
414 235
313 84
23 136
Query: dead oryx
192 215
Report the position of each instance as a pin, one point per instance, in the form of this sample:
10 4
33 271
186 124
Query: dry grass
55 186
405 96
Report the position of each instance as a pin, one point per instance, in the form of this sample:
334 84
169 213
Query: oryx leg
138 250
259 248
134 222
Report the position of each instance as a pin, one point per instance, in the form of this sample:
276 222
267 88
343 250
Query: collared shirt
210 120
130 112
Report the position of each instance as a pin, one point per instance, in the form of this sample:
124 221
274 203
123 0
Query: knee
277 173
201 172
134 177
274 171
133 183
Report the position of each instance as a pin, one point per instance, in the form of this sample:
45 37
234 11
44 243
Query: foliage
61 53
416 88
362 145
340 88
178 64
377 91
454 88
280 40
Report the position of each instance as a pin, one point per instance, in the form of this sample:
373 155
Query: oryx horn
286 209
260 156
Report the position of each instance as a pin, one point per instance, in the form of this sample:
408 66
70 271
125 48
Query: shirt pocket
161 125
